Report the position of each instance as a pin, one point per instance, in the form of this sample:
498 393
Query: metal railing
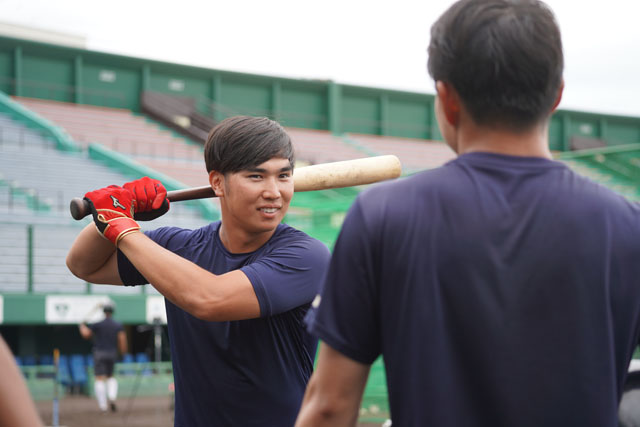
145 379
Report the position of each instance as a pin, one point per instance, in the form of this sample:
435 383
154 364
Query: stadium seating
45 360
78 371
39 181
53 178
156 147
127 362
29 360
64 373
414 154
318 146
143 363
177 112
120 130
617 167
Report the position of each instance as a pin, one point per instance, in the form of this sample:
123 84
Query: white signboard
156 309
1 309
107 76
74 309
176 85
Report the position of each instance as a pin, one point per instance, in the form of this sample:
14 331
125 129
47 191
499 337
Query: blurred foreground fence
156 379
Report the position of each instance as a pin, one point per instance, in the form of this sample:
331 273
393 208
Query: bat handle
79 208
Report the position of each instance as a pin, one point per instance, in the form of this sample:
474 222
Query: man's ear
216 180
450 102
558 96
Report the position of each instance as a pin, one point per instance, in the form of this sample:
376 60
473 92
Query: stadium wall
49 71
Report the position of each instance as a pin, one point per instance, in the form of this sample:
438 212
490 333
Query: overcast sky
369 43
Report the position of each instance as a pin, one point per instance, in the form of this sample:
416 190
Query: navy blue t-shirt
105 334
249 372
500 291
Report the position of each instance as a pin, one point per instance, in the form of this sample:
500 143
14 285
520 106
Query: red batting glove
112 210
150 198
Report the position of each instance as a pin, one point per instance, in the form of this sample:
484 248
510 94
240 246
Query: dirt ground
82 411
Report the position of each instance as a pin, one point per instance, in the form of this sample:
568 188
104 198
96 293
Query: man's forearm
190 287
16 406
318 411
85 332
334 392
89 253
122 342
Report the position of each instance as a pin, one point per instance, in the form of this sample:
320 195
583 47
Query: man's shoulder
591 199
401 193
96 325
286 232
112 323
288 236
105 323
176 237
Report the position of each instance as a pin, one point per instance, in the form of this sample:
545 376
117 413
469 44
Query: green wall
360 111
174 83
302 106
75 75
245 97
110 86
6 70
48 77
411 119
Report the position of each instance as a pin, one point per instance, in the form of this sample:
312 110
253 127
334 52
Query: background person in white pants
108 336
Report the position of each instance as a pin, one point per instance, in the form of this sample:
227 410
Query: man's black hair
503 57
243 142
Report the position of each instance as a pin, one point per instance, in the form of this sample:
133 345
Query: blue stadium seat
78 372
127 359
20 363
45 359
64 376
29 360
143 358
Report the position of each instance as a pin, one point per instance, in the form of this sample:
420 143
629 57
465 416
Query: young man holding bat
236 290
501 289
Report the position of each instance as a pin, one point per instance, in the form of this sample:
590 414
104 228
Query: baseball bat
323 176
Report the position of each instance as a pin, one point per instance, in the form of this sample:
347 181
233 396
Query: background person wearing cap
108 336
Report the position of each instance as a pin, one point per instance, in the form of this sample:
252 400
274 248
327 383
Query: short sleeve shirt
105 334
499 290
247 372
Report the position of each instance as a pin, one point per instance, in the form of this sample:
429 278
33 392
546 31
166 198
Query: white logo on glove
117 204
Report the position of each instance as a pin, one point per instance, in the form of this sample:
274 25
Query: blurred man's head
503 58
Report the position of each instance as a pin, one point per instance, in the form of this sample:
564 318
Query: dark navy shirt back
105 334
249 372
501 291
